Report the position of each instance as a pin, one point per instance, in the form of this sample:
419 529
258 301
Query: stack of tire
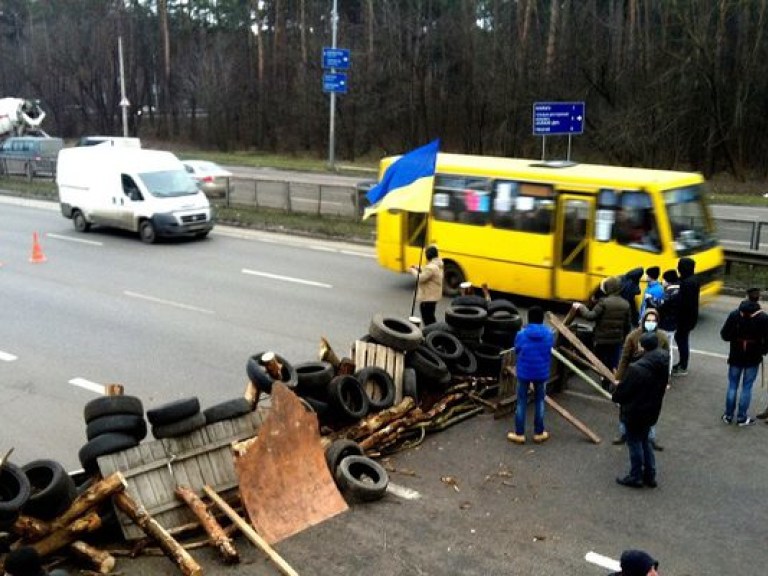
176 418
358 477
261 378
227 410
113 424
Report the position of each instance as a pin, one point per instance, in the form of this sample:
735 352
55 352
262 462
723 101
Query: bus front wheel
452 278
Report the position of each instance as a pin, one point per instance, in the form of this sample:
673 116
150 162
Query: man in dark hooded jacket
630 290
687 313
640 394
746 328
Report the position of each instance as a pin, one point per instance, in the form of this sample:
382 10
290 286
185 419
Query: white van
145 191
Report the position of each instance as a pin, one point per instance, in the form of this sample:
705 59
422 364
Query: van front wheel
147 232
81 224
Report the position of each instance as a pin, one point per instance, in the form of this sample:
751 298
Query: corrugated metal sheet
153 469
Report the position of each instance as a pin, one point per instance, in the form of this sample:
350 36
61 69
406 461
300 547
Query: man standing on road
746 328
688 313
429 288
640 394
637 563
669 307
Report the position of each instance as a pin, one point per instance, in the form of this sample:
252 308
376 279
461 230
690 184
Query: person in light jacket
430 285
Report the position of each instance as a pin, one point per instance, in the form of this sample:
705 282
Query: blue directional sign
550 118
335 83
336 58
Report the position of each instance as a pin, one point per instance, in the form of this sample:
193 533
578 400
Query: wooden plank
154 468
398 378
597 366
578 424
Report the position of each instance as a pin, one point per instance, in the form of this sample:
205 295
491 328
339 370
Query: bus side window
461 199
635 223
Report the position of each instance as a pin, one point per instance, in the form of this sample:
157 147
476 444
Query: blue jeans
746 375
540 390
623 431
642 462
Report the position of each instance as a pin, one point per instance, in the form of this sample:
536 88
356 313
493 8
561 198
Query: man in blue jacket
533 345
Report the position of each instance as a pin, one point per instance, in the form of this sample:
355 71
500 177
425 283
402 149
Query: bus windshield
168 183
692 230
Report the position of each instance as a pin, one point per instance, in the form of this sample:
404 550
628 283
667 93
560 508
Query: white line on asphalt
322 248
353 253
70 239
710 354
168 302
403 492
7 356
286 278
88 385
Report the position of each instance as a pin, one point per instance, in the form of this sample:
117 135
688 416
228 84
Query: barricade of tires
358 477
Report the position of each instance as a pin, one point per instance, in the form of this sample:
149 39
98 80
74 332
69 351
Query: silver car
212 179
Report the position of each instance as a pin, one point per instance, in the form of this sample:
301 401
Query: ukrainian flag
407 183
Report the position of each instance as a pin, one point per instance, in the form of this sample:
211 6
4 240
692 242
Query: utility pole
332 131
124 104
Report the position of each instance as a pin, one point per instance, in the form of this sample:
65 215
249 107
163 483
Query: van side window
523 206
130 188
634 222
465 199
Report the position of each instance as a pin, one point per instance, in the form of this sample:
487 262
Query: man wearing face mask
632 351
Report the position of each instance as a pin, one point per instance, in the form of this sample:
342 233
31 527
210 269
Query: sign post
557 118
334 82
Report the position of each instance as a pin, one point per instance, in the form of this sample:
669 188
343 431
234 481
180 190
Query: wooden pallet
367 354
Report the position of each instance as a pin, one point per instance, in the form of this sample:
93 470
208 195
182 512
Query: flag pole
418 273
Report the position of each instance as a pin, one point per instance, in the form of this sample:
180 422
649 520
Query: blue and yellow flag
407 183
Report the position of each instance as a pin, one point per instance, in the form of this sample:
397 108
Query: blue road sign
336 58
550 118
335 83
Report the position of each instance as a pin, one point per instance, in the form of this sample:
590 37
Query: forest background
679 84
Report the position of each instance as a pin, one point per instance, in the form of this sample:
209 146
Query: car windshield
169 183
692 228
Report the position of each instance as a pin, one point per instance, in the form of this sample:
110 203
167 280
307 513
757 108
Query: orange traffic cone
37 252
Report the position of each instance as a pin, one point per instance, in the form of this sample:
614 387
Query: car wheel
202 235
147 232
101 446
131 424
395 333
53 490
340 449
445 345
81 224
452 278
378 386
106 405
362 478
348 398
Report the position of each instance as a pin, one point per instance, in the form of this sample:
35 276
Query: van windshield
169 183
692 229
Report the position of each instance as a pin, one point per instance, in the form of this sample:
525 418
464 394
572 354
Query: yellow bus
553 230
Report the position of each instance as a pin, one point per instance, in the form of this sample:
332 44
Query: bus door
414 237
571 281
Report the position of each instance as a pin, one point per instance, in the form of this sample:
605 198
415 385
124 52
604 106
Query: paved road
181 318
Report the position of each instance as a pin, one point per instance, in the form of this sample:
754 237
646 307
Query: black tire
470 300
313 378
378 387
501 304
427 364
410 384
179 428
503 340
362 478
103 445
108 405
437 326
453 276
488 360
469 336
466 364
14 494
395 333
347 397
445 345
340 449
131 424
80 222
258 375
503 321
52 489
147 232
174 411
288 374
465 317
319 407
227 410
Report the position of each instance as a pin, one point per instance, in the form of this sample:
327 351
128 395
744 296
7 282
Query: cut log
212 527
102 561
376 421
172 549
250 533
346 367
65 535
578 424
113 390
272 365
327 354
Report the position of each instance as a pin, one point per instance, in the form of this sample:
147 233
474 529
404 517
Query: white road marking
168 302
286 278
79 240
710 354
88 385
7 356
403 492
323 248
353 253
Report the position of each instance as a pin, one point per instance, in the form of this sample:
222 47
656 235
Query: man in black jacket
746 328
687 313
640 394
